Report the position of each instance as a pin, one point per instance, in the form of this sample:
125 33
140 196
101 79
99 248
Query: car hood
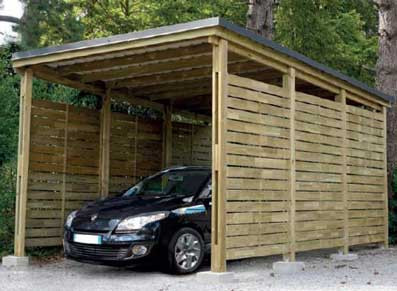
104 215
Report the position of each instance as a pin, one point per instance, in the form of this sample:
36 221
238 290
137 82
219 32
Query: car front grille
98 252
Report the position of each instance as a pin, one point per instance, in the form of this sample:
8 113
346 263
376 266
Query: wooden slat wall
257 148
191 144
63 171
64 161
319 173
201 146
365 160
182 134
258 168
135 150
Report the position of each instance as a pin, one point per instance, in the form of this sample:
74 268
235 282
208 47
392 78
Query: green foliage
332 32
393 211
60 21
7 206
9 107
47 23
103 18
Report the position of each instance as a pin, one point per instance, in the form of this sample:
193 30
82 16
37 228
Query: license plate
87 239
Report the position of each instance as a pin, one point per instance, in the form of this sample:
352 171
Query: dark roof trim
120 38
200 24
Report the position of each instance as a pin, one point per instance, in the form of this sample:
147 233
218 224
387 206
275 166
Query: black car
164 217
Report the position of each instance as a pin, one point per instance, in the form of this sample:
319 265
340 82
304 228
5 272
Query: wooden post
289 85
65 167
167 136
23 162
219 95
342 99
105 145
386 197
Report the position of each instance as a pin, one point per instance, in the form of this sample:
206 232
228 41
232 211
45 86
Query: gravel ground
376 269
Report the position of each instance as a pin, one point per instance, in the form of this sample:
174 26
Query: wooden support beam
166 66
314 80
65 168
342 99
204 71
45 73
23 162
385 184
252 55
105 145
289 85
220 83
167 136
166 52
365 102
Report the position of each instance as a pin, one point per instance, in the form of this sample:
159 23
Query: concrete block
288 267
344 257
215 277
14 261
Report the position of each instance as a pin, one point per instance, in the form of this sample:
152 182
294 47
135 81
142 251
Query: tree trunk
260 17
386 75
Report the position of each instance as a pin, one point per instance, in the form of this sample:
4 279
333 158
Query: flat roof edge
120 38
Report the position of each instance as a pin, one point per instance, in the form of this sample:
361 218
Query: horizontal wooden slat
249 252
256 85
255 240
255 228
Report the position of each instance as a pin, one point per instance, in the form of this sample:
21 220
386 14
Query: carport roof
190 26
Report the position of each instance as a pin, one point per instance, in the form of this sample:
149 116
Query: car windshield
180 183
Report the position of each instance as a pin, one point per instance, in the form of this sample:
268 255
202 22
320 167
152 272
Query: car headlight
137 222
70 218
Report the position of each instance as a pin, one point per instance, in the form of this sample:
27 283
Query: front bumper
115 249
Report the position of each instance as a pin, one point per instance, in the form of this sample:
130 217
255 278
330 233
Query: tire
185 251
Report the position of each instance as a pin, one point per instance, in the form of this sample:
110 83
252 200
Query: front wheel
185 251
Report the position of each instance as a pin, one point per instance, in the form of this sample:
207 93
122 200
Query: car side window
207 191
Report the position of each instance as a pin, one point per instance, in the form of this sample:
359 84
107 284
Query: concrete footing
214 277
14 261
344 257
288 267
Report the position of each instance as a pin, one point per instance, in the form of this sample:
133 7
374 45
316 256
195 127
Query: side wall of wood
336 177
65 158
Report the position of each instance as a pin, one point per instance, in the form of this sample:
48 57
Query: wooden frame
289 86
291 171
23 161
219 91
105 145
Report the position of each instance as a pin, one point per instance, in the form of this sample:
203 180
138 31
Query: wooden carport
298 150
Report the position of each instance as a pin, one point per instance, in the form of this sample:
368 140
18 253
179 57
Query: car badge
94 217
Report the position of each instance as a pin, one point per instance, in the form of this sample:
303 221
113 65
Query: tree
260 17
386 75
331 32
46 23
104 18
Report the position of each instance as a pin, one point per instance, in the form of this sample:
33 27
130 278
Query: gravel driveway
376 269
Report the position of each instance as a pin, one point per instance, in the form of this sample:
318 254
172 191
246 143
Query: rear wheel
185 251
